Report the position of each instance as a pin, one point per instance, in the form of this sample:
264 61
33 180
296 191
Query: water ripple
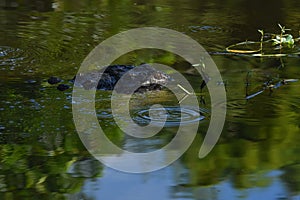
176 116
10 56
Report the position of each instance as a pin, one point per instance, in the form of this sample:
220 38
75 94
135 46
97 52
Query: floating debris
269 85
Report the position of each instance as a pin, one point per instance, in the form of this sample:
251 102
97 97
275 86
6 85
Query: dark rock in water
63 87
54 80
144 76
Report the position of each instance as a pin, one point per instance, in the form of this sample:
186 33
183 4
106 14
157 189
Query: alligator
144 75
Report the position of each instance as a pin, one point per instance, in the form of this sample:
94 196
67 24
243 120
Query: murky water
42 157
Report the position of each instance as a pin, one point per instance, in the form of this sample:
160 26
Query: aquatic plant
273 43
283 39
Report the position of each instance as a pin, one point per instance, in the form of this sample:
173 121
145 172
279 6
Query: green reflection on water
41 154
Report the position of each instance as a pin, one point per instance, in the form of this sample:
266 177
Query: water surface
42 156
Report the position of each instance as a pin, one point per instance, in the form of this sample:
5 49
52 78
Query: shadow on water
41 154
